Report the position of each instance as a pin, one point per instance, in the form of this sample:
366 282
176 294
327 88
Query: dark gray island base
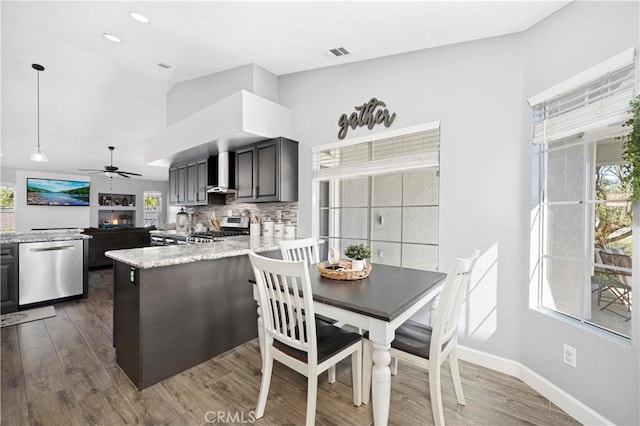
168 319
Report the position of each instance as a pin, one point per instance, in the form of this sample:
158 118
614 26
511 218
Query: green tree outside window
6 198
150 201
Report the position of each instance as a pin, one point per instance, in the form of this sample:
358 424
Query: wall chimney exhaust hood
226 169
239 119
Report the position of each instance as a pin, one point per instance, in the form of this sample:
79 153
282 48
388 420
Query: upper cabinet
177 184
196 183
188 181
267 171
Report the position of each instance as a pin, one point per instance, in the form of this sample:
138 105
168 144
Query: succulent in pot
358 253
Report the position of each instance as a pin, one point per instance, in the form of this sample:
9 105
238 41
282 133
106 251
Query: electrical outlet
569 355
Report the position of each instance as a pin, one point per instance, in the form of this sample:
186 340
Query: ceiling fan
111 170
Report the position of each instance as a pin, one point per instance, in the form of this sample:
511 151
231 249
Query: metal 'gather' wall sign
367 115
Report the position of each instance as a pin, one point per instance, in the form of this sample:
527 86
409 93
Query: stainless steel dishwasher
50 270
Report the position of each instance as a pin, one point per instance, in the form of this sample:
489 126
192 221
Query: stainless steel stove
213 236
232 226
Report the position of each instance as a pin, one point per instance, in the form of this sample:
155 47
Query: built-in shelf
116 210
116 200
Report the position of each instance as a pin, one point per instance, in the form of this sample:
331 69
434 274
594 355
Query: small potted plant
124 218
358 253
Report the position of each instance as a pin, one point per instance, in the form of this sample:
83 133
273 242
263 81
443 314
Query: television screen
53 192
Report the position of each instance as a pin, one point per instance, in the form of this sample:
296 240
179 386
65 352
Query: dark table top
385 294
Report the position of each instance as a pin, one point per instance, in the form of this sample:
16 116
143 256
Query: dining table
379 303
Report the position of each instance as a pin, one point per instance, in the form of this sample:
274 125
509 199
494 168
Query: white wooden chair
304 249
308 347
307 249
429 347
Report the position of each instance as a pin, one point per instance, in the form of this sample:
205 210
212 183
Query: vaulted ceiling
95 93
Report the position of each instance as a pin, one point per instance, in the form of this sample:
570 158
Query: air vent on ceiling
163 65
339 51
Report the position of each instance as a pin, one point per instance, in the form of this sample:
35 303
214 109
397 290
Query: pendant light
38 155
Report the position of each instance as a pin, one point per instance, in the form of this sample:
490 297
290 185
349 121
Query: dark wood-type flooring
62 371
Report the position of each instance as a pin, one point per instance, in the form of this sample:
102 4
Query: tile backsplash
201 214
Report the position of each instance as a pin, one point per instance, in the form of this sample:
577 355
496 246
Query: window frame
430 161
592 126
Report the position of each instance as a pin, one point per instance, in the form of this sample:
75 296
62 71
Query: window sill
596 330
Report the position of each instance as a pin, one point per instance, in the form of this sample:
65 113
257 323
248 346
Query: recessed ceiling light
139 17
111 37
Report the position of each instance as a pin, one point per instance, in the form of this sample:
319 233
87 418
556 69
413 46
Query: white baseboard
553 393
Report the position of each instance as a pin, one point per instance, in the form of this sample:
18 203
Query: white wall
477 91
7 175
103 184
30 217
474 89
607 375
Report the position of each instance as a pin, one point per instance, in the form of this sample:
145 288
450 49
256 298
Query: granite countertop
158 256
167 232
42 236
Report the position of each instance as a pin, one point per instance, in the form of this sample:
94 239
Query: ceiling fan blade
111 170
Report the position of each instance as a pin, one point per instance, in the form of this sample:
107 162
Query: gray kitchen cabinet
9 277
244 173
173 185
192 180
267 171
202 171
181 183
188 182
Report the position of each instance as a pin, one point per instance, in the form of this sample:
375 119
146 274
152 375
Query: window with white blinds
597 98
584 206
403 152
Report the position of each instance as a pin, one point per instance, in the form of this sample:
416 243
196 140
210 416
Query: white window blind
410 151
587 103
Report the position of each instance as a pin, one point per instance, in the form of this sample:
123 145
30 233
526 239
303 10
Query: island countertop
42 236
159 256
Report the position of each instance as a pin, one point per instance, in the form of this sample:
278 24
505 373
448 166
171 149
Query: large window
586 212
582 236
383 193
152 208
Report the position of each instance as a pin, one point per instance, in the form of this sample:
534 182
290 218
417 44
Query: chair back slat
447 315
304 249
618 265
286 299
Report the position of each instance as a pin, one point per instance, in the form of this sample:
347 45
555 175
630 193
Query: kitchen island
177 306
42 267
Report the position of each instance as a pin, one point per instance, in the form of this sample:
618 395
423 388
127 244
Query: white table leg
381 384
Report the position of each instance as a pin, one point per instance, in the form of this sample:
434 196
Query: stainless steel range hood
226 169
239 119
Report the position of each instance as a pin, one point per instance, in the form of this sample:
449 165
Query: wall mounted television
56 192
